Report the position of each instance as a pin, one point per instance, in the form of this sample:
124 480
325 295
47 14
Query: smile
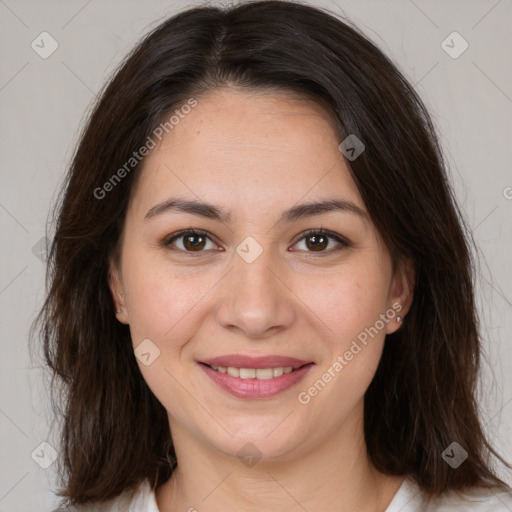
255 383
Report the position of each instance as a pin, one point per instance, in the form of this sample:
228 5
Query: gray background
43 102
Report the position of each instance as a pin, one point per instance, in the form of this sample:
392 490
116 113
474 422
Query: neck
332 475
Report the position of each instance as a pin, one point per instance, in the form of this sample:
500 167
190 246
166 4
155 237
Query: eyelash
330 234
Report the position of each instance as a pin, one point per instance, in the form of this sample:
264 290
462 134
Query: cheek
346 302
164 308
348 306
152 305
164 305
352 334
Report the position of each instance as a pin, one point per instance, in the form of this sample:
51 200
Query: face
263 281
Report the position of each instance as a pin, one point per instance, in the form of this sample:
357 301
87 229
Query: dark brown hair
423 395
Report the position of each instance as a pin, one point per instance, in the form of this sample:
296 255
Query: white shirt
409 498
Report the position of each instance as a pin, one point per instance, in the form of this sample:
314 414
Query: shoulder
140 499
409 498
477 499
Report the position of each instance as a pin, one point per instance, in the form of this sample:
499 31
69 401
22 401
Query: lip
242 361
254 389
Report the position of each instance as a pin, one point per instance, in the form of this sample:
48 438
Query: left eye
318 241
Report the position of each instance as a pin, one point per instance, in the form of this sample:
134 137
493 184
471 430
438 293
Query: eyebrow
213 212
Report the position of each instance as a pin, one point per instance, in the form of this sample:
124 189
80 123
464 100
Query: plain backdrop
43 102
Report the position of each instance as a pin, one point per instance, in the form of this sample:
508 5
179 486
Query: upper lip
242 361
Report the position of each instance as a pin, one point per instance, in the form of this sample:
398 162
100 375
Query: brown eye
193 242
316 242
189 241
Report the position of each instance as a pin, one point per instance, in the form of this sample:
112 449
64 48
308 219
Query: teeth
278 372
252 373
234 372
247 373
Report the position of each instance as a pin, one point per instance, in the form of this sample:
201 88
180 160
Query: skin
256 155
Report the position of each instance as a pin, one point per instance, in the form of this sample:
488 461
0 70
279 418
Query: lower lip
256 388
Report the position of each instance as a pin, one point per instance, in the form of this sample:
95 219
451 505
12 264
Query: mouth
255 378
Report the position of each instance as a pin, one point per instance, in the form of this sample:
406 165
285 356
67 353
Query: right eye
191 240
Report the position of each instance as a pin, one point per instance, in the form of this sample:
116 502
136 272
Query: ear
401 294
115 284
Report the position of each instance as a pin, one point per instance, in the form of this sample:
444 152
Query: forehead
236 146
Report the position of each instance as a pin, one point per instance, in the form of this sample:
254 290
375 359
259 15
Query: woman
261 293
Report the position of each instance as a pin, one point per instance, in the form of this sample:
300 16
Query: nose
256 299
